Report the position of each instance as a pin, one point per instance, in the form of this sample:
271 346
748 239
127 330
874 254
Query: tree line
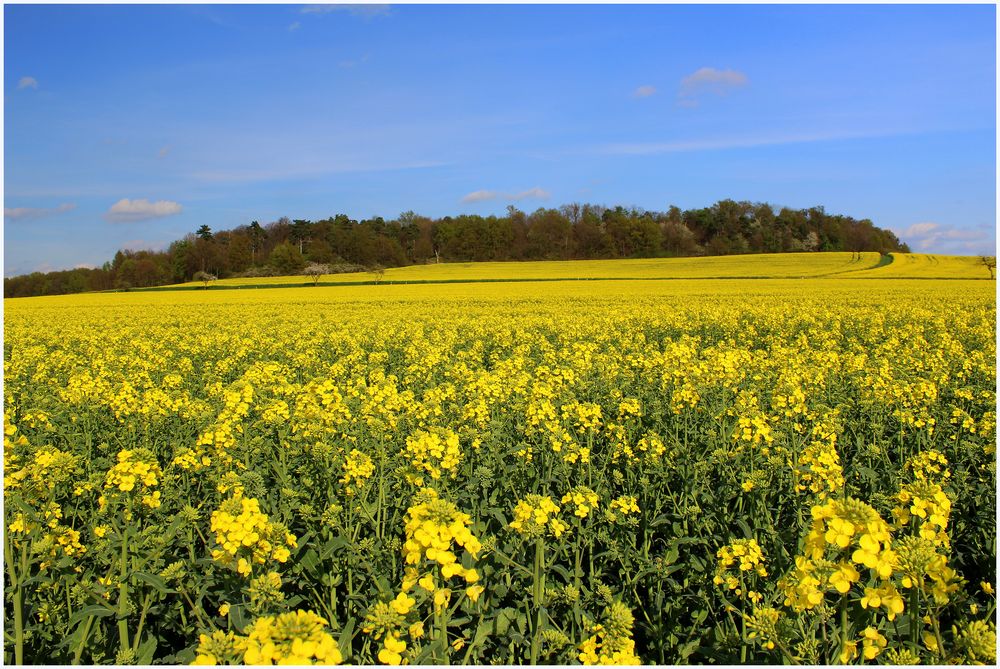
573 231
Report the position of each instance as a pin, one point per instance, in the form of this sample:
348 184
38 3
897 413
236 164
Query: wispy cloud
305 171
32 213
535 193
644 91
708 80
930 237
129 211
353 62
723 143
362 11
27 82
295 25
143 245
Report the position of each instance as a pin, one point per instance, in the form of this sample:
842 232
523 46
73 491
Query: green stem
123 594
16 583
843 627
78 653
915 619
142 621
538 594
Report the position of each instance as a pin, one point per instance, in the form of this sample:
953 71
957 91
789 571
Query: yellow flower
473 592
224 610
391 653
848 652
874 643
403 603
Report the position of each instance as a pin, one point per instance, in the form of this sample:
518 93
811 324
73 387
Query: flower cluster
566 445
623 506
246 537
220 648
433 527
582 500
358 467
630 407
818 470
930 465
921 566
386 622
736 559
535 514
610 641
844 533
851 525
977 641
435 452
135 476
929 505
762 626
297 637
584 416
873 643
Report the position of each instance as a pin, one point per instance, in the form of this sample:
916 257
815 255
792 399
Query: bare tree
990 263
377 271
315 271
204 277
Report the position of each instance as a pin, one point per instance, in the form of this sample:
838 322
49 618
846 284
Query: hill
570 232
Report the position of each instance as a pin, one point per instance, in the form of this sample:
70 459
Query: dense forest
574 231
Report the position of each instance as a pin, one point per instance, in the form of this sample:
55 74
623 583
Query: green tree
286 259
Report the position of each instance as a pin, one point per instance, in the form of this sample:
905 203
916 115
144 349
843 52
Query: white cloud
930 237
644 91
27 82
709 80
535 193
84 265
129 211
921 229
363 11
481 196
31 213
294 26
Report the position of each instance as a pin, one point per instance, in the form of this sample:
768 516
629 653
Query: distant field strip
776 265
924 266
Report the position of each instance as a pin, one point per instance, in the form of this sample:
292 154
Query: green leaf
96 610
344 641
156 581
146 651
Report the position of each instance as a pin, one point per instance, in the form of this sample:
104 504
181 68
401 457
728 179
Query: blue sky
129 126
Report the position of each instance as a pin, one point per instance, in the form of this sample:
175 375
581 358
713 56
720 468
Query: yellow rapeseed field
596 472
926 266
775 265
